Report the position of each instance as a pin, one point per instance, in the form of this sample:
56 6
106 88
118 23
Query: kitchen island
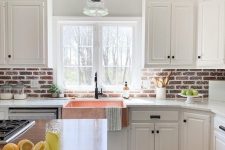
81 134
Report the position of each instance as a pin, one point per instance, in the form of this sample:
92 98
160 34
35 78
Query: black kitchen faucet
96 87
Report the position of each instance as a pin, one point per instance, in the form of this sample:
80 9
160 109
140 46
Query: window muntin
74 74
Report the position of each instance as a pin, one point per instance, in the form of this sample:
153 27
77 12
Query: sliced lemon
10 146
40 146
25 145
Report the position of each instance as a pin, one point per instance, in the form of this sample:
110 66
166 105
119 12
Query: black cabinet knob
157 131
173 57
9 56
168 57
185 120
199 57
153 131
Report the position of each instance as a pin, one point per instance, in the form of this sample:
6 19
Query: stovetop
9 129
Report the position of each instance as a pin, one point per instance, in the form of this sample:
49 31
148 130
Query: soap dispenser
126 94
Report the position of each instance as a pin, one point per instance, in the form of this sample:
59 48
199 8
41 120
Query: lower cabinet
196 131
219 141
154 136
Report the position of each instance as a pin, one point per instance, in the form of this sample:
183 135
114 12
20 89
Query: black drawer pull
9 56
153 131
185 120
168 57
222 128
155 117
157 131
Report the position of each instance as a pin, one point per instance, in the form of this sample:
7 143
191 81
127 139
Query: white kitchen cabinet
211 33
158 24
196 131
2 32
182 35
169 32
26 42
219 141
166 137
158 136
142 136
3 113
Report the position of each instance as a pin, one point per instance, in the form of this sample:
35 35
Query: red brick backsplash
180 79
184 78
26 75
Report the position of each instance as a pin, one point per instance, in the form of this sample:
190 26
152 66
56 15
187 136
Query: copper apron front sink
93 109
95 104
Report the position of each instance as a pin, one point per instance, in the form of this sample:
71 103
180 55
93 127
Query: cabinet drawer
154 115
219 124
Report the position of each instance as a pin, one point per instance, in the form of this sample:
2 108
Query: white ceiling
116 7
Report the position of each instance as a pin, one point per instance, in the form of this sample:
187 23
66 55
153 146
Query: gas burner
9 129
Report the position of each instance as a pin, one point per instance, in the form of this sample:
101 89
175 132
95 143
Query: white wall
116 7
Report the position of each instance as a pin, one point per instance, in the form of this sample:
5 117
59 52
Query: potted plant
54 89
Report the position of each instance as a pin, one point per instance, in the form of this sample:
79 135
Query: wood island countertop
77 134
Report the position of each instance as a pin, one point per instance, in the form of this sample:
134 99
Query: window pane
109 75
77 45
123 74
117 43
85 76
70 77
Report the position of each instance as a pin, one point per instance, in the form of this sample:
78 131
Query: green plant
54 89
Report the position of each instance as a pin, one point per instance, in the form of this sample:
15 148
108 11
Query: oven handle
222 128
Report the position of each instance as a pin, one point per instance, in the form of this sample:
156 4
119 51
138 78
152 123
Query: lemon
25 145
10 146
40 146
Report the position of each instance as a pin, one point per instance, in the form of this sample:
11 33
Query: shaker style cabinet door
157 35
2 33
26 32
182 33
219 141
142 136
196 132
166 136
211 33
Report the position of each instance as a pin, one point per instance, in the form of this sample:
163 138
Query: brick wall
25 75
180 79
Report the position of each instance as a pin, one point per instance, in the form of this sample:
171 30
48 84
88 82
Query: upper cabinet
158 26
184 33
169 32
2 32
211 33
26 32
25 42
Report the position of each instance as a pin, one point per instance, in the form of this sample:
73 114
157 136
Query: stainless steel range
10 129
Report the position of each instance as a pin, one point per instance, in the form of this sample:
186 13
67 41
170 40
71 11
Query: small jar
6 92
18 91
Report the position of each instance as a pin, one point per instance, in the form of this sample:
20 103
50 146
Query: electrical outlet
34 83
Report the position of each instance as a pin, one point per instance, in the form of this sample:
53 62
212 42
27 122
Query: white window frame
137 53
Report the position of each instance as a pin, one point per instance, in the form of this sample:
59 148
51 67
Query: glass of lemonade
53 135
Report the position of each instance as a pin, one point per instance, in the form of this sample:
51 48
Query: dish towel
114 119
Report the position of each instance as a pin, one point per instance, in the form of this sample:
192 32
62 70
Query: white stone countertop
34 102
214 107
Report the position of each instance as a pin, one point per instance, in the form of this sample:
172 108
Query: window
106 47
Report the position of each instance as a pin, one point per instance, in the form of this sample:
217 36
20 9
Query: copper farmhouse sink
93 109
95 104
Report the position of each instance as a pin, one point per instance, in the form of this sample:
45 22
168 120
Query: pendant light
95 8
